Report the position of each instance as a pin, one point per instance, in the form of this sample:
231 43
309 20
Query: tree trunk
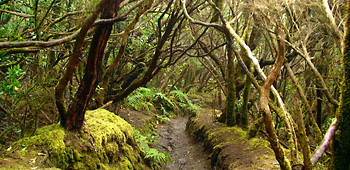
74 118
107 75
231 86
302 138
73 62
341 143
264 104
153 68
318 106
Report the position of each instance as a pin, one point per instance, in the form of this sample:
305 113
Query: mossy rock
230 146
107 142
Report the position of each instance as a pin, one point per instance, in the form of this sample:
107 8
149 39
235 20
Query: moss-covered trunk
108 144
341 143
246 93
231 87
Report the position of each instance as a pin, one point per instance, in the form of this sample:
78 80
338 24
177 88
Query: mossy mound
142 121
107 142
230 146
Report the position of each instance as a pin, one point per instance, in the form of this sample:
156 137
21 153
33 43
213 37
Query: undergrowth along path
186 153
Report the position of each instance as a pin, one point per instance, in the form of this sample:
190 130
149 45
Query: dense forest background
273 64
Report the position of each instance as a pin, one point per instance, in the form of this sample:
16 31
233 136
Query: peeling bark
74 118
73 61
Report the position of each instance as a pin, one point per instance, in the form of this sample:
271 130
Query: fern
165 102
183 101
141 99
179 96
146 99
158 157
145 91
152 154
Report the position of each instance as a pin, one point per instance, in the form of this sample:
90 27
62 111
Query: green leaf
9 149
41 154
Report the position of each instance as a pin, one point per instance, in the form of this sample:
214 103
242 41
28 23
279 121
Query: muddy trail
186 152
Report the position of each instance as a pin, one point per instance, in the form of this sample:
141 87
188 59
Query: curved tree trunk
73 62
153 68
74 118
111 67
264 104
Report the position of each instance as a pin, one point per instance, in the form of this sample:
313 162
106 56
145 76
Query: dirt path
186 153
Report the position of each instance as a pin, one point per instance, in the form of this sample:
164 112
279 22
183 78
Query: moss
51 136
113 145
259 143
125 164
238 132
341 141
230 147
231 119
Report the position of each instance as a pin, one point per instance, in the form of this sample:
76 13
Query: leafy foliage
152 154
10 86
183 101
157 156
149 98
141 99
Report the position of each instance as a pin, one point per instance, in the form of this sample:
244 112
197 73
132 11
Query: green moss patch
107 142
230 146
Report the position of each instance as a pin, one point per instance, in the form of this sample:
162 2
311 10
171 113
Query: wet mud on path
186 152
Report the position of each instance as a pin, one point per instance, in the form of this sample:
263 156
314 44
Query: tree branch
73 60
17 13
43 44
325 142
217 26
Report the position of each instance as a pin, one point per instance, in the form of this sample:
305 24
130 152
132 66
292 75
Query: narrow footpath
186 152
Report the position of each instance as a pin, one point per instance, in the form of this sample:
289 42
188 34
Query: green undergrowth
107 142
151 100
154 157
162 106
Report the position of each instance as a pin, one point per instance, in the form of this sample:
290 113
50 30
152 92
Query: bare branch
217 26
325 142
336 32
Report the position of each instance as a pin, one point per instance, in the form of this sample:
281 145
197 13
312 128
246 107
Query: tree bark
341 143
231 86
302 138
73 61
74 118
111 67
264 104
